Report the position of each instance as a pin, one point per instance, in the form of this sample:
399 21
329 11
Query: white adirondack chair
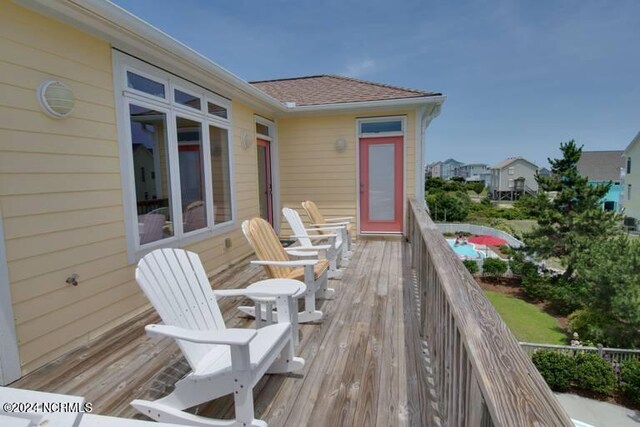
278 264
318 220
223 361
301 234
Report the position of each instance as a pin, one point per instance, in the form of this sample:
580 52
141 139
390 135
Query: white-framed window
628 164
511 170
176 158
381 126
510 183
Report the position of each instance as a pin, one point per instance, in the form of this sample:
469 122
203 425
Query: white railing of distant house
482 230
481 376
619 355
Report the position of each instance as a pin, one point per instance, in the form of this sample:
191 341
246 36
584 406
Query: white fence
619 355
480 230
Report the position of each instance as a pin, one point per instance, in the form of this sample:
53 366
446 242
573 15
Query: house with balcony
478 172
603 167
513 177
117 140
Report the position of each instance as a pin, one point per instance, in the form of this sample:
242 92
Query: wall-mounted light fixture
56 98
245 141
341 145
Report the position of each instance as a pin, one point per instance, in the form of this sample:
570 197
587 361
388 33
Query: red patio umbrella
488 240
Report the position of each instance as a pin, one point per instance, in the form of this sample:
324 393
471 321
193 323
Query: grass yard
527 322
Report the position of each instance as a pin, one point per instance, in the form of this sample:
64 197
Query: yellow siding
311 168
61 195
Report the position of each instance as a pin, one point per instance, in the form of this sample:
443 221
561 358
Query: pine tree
570 214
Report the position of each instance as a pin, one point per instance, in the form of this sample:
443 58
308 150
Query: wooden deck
363 364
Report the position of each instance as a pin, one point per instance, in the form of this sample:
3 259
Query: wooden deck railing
482 377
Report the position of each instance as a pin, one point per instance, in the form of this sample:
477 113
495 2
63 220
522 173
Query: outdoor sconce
341 145
56 98
245 141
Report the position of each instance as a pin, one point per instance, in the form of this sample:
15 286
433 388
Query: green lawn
526 321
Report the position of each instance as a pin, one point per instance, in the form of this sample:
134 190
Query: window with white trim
176 157
512 170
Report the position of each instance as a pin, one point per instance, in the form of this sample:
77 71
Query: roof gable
334 89
506 162
632 144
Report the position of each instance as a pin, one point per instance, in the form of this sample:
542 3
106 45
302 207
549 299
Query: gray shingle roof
601 165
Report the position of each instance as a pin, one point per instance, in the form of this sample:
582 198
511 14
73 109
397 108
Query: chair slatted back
175 282
267 246
314 213
294 220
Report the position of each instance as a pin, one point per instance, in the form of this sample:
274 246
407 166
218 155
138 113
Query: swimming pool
465 251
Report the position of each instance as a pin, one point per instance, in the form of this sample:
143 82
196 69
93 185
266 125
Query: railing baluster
481 375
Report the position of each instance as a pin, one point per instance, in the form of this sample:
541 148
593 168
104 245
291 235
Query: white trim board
9 357
275 167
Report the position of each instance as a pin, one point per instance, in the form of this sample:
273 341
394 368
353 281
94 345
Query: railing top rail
513 390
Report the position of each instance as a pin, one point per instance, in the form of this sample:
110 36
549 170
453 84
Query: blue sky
520 76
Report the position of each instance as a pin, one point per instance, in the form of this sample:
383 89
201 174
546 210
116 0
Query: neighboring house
512 178
448 168
631 183
436 170
155 121
474 172
602 167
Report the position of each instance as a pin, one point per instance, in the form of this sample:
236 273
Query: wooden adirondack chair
301 234
223 361
318 220
278 264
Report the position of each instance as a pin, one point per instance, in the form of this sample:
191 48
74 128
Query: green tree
448 206
494 267
569 221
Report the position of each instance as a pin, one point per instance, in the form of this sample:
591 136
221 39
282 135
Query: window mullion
208 173
174 174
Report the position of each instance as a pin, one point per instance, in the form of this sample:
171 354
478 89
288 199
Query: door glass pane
187 99
263 182
194 215
221 174
151 173
381 182
143 84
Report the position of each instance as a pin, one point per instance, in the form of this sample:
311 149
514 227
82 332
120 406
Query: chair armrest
226 337
344 218
296 263
330 226
314 236
263 293
308 248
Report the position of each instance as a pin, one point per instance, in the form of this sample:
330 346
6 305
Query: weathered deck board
363 362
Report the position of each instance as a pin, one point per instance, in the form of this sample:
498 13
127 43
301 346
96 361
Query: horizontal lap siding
61 195
311 168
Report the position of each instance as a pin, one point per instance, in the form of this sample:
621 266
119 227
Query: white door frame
275 166
9 358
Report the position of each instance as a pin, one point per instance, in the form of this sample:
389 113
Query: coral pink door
264 180
381 184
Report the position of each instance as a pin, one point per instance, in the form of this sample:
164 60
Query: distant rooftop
510 160
601 165
334 89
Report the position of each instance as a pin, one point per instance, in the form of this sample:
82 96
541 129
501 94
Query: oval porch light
56 98
341 145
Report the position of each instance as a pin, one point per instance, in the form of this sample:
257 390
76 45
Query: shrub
557 369
448 206
494 267
471 265
630 379
594 374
